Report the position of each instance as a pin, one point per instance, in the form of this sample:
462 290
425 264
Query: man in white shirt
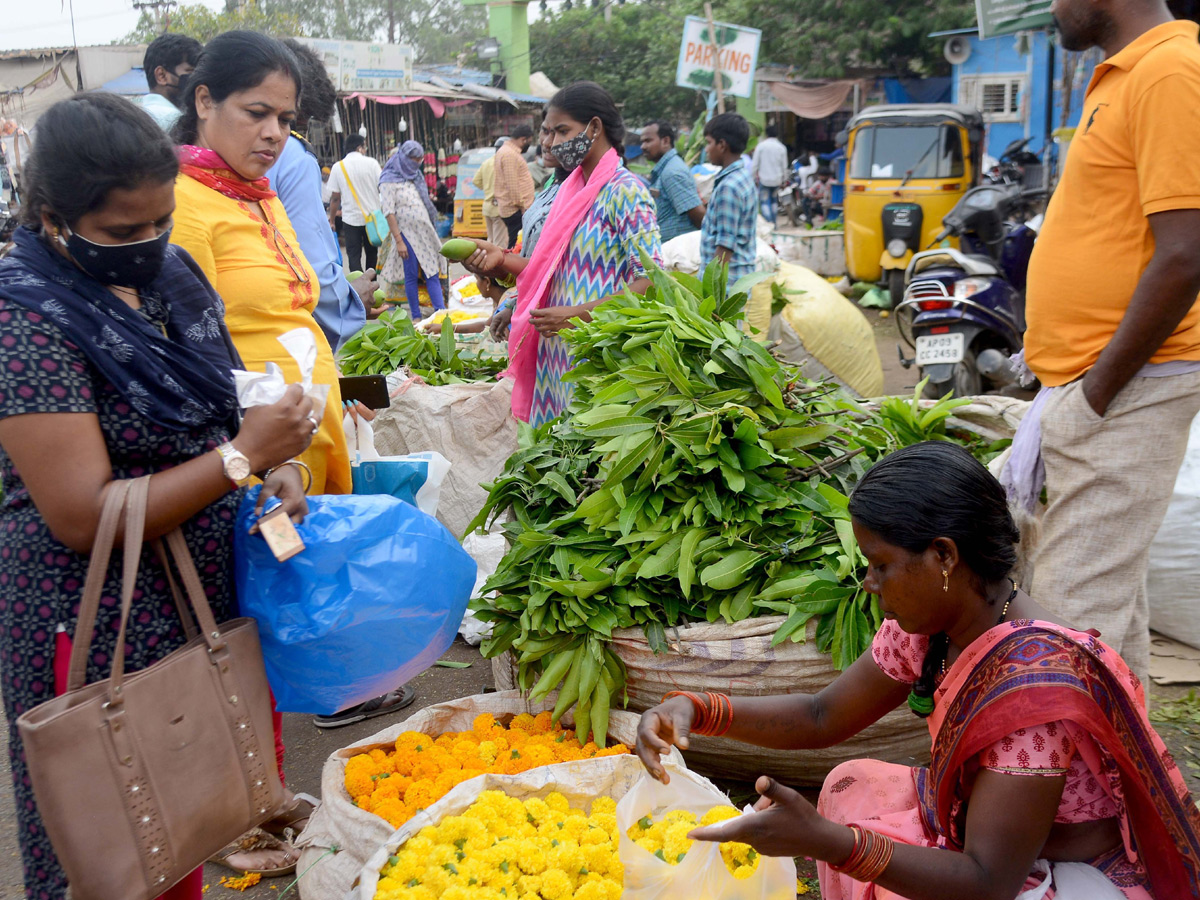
770 169
354 194
169 59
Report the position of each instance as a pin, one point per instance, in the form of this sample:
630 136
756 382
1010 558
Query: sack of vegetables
694 479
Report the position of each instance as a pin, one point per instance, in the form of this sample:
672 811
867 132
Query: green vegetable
391 341
694 479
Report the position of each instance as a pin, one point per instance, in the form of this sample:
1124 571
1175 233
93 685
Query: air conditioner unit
957 50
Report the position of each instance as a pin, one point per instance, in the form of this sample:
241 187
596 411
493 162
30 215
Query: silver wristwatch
237 466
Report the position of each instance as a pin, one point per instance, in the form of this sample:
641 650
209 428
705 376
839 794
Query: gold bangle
292 462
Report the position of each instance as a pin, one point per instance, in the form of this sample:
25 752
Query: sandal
378 706
257 839
289 823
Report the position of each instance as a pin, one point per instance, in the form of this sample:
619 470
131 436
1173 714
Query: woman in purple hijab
405 200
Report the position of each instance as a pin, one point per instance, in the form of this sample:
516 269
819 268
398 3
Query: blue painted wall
1001 55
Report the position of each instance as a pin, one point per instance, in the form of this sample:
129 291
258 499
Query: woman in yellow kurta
236 119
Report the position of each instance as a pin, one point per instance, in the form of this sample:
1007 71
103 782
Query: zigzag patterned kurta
604 255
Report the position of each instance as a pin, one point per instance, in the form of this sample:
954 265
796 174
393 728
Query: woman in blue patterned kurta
603 255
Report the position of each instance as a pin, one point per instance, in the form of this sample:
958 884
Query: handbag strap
93 585
181 607
129 498
353 192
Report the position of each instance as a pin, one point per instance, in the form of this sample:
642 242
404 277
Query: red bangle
713 718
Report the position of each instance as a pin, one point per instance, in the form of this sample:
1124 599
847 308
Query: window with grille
998 97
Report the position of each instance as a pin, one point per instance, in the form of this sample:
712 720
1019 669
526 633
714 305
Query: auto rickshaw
907 165
468 199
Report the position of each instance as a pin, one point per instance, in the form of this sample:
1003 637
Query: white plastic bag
1071 881
265 388
415 478
1171 581
702 875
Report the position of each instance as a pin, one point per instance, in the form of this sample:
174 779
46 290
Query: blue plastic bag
374 599
415 478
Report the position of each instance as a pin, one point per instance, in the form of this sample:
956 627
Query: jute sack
356 833
471 425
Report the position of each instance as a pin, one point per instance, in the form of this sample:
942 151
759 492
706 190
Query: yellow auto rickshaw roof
917 114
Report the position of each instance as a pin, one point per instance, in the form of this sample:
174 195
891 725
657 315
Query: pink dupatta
575 198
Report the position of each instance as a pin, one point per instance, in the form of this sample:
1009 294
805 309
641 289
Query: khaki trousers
1108 483
497 231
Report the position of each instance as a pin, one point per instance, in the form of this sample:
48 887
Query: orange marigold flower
482 723
542 723
523 722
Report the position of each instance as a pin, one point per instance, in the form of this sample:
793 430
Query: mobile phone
369 390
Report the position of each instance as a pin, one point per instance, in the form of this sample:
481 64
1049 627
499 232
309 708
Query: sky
24 25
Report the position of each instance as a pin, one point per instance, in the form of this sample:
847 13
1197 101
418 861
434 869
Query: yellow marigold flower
556 885
741 873
458 892
393 811
719 814
801 887
483 722
523 722
616 870
597 858
650 845
358 782
592 890
607 821
529 884
557 802
532 859
603 805
487 752
614 887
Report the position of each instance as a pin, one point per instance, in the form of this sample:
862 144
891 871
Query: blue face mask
134 265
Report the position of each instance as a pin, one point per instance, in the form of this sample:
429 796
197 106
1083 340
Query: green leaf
731 570
452 664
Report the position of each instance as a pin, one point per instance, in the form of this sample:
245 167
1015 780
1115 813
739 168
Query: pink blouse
1053 748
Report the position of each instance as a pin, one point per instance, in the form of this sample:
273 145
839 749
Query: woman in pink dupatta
1043 763
601 225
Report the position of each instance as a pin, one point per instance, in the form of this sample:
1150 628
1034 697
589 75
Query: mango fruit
458 248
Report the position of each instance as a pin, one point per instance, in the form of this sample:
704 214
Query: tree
827 38
200 22
634 55
436 29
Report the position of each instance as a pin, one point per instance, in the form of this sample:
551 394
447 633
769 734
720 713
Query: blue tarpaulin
131 84
917 90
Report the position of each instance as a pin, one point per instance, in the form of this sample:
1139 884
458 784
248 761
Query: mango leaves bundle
391 341
694 479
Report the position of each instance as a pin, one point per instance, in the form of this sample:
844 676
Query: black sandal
377 706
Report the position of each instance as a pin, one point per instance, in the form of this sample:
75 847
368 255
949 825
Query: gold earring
946 581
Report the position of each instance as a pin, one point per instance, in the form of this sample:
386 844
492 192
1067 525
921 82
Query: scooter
963 311
790 199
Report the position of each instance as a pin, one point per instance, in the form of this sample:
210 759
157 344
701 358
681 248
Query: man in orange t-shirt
1114 327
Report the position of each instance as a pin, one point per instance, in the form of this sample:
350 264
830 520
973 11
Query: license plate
935 349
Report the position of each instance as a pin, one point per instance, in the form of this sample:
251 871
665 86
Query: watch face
237 468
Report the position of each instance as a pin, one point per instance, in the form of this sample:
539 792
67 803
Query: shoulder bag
140 778
377 226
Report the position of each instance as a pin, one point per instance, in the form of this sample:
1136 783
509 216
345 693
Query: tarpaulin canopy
131 84
816 102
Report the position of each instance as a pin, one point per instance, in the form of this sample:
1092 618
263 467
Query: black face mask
134 265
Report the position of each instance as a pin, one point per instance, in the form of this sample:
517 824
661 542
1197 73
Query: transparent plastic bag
702 874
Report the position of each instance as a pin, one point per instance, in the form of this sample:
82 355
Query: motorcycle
790 200
963 311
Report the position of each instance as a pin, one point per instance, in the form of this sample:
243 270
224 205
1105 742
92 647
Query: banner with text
1010 16
735 53
363 66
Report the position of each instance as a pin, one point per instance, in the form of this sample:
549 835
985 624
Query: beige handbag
141 778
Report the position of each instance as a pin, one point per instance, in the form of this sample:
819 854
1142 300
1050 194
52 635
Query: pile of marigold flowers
502 848
421 769
668 839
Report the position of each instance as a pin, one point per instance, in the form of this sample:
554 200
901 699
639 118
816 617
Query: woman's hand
552 319
783 824
271 435
487 260
498 324
666 725
398 243
286 483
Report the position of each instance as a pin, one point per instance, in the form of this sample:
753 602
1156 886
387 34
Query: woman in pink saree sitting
1043 763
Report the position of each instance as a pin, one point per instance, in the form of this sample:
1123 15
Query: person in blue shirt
678 203
296 177
169 59
728 233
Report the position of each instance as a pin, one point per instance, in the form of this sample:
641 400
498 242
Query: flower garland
501 847
421 769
